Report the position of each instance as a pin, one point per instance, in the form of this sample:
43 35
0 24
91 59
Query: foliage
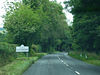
92 58
40 54
36 48
86 23
22 23
18 66
2 37
7 52
36 22
79 6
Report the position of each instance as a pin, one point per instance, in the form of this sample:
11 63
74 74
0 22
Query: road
61 64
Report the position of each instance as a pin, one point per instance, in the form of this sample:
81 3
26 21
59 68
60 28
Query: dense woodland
86 24
37 22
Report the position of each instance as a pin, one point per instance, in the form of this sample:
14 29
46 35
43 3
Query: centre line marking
77 72
62 61
68 65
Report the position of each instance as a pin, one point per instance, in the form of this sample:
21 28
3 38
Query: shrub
36 48
7 52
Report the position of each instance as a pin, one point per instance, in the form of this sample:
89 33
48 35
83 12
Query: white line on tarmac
63 61
77 72
59 58
67 65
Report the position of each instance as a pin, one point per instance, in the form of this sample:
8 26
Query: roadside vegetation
7 53
19 65
85 30
41 25
91 58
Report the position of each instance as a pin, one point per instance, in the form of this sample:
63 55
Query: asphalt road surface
61 64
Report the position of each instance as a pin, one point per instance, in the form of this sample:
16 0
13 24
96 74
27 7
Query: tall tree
39 22
53 22
86 21
22 23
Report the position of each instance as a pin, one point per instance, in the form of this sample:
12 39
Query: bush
76 46
36 48
39 55
7 52
51 50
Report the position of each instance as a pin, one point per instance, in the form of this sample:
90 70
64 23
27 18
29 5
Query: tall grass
92 58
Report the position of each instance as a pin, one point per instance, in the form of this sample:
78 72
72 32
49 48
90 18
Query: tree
22 23
53 22
86 21
33 23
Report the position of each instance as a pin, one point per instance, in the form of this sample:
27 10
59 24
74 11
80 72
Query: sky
2 10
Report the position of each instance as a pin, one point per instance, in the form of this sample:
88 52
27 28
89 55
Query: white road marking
77 72
63 61
58 58
68 65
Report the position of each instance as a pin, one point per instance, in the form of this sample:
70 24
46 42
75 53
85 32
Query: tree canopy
37 22
86 23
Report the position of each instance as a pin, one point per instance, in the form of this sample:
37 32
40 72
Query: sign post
22 48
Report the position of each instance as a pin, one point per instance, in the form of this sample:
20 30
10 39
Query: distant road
61 64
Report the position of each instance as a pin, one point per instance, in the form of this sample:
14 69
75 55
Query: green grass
40 54
56 51
95 62
19 65
92 58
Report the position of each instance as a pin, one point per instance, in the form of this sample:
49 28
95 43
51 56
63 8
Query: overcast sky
2 11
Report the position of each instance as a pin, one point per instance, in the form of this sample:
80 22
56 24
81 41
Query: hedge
7 52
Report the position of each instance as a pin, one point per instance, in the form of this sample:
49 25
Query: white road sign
22 48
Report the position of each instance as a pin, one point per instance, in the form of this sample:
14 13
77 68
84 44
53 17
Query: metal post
27 54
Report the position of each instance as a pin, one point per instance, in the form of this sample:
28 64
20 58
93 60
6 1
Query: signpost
22 48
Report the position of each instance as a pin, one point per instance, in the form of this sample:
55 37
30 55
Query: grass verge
18 66
91 58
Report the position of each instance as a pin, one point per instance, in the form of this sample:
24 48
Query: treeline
40 24
86 25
